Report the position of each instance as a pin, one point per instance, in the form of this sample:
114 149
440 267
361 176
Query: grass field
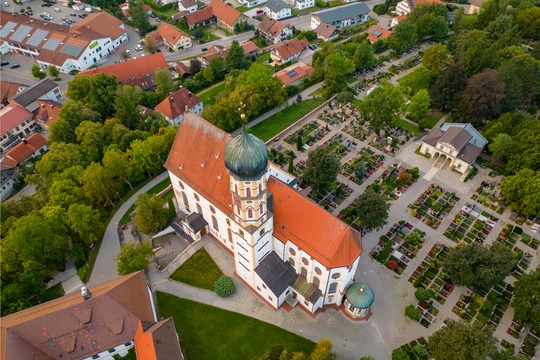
408 126
156 189
207 332
263 58
209 96
283 119
199 270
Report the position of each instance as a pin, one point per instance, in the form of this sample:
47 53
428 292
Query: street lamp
119 197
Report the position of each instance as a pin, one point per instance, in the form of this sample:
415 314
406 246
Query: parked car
128 52
84 15
138 48
14 66
4 63
158 19
81 16
57 9
72 14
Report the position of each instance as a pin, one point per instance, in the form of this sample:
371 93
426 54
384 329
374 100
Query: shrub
400 354
421 350
422 294
413 313
224 286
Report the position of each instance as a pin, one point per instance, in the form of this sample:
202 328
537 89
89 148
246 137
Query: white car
138 48
65 4
57 9
128 52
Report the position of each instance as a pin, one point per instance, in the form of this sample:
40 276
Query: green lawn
408 126
263 58
243 9
209 96
207 332
430 121
285 118
156 189
199 270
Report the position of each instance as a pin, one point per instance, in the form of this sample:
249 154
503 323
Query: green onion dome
359 295
246 157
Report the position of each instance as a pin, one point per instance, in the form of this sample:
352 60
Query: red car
84 15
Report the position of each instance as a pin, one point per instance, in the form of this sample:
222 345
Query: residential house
396 20
251 3
181 69
213 51
475 6
454 144
45 89
250 48
378 32
9 89
75 47
29 148
47 113
176 104
125 10
173 38
302 4
200 18
97 323
223 15
251 209
134 72
405 7
294 74
274 31
288 51
16 123
187 5
341 16
277 9
326 32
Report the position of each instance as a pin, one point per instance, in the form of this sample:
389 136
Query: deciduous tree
364 56
417 80
119 164
95 92
383 106
321 168
134 258
435 58
127 103
53 71
526 301
150 215
419 105
403 37
139 16
372 210
522 190
337 69
85 222
323 351
448 85
37 73
70 116
98 185
502 146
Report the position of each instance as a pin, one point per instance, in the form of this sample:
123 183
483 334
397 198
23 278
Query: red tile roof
181 68
47 112
23 150
73 328
170 33
158 342
224 12
199 15
197 158
11 116
291 47
294 73
101 23
249 47
175 104
131 69
325 30
9 89
271 26
375 30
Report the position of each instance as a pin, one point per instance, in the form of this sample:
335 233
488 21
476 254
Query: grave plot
471 224
372 162
330 199
335 115
400 244
530 342
515 328
307 135
340 145
484 309
433 205
506 345
412 349
358 130
511 234
486 195
395 181
280 156
392 140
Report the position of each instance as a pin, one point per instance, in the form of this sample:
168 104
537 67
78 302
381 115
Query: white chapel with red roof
285 247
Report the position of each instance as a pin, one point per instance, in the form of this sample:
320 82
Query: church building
285 246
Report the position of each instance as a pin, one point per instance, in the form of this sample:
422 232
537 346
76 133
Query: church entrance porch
441 160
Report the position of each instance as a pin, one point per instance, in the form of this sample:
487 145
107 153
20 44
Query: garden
399 246
395 181
486 195
372 162
470 225
433 205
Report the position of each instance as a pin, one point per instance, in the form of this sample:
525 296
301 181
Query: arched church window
291 260
250 213
215 223
303 272
199 209
316 281
180 184
333 288
305 261
336 276
212 209
185 200
196 196
248 191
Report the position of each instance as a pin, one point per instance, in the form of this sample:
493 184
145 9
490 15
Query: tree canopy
322 168
526 301
134 257
150 215
372 210
383 106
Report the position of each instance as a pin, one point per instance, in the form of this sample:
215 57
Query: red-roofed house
15 123
326 32
405 7
294 74
175 105
274 31
378 32
8 90
279 251
125 10
135 72
29 148
396 20
173 38
218 12
181 69
288 51
188 6
47 112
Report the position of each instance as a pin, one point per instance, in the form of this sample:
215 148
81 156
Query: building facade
342 16
277 9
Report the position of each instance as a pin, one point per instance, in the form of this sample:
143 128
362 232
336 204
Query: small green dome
360 295
246 157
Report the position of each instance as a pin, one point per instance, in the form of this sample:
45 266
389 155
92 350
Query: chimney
189 93
186 108
24 141
172 99
52 106
42 105
86 294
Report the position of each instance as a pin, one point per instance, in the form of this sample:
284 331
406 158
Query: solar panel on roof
411 3
376 32
71 50
20 33
6 29
37 37
292 74
52 44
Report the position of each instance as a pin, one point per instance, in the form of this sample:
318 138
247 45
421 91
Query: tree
383 106
195 65
70 116
95 92
235 57
472 51
364 56
400 354
526 301
150 215
217 66
422 294
367 358
119 163
448 85
164 83
417 80
528 23
321 169
372 209
360 169
290 168
478 267
337 68
134 257
37 73
422 351
507 354
481 100
419 105
64 191
323 351
98 184
501 146
149 155
53 71
435 58
127 103
343 97
522 191
460 341
85 222
299 143
403 37
139 16
224 286
60 157
150 45
91 137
